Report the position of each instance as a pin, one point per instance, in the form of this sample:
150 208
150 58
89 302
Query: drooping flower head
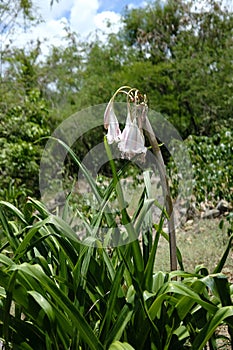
131 141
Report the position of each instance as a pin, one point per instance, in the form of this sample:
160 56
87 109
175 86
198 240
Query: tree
23 122
197 44
18 13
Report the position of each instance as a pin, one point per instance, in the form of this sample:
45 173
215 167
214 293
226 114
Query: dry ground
201 242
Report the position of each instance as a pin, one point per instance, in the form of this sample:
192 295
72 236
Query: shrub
211 159
20 129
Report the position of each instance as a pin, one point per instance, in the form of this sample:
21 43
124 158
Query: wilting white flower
132 141
111 123
125 132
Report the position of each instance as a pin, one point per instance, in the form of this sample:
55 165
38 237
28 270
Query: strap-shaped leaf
116 345
207 332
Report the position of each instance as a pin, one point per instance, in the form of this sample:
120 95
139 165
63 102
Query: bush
211 159
21 128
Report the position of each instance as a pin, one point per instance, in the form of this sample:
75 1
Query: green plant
58 292
21 128
211 159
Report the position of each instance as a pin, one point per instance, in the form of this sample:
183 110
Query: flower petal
111 123
132 141
107 114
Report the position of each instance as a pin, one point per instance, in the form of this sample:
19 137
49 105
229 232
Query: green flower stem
117 184
166 192
138 260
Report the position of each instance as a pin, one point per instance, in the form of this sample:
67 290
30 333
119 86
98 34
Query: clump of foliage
21 127
212 167
60 292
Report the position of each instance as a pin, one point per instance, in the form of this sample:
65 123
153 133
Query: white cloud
82 16
132 6
49 32
103 19
57 11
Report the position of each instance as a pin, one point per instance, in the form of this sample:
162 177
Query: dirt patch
201 242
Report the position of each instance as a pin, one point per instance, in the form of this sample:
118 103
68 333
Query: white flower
132 141
111 123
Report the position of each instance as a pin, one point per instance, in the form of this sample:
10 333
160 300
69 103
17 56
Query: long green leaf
86 332
39 206
143 212
112 302
8 301
15 211
219 286
222 261
26 330
5 260
182 290
59 226
44 304
206 332
28 237
7 230
116 345
148 274
133 234
120 324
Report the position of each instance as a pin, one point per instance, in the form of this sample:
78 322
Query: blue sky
117 6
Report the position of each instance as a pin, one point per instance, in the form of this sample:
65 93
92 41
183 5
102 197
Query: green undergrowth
211 159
